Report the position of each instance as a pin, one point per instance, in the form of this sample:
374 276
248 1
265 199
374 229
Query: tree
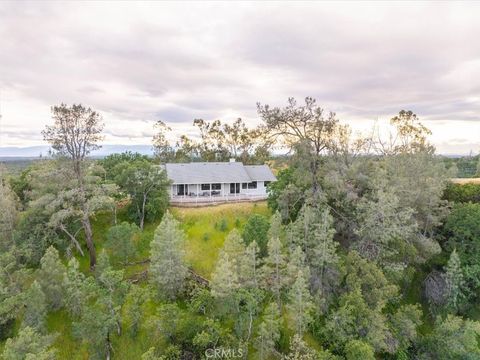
151 355
100 315
313 232
120 241
8 215
249 266
162 148
50 277
455 280
273 270
410 136
110 162
13 286
300 304
146 184
112 288
167 268
285 196
75 286
359 312
295 264
29 344
304 127
386 231
35 308
268 332
462 234
357 349
224 278
94 328
404 324
452 338
299 350
57 195
256 229
136 297
234 247
75 133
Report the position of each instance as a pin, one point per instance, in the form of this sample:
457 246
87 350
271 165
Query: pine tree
455 280
94 329
224 278
268 332
313 231
296 263
234 247
273 270
276 227
112 288
300 304
249 266
75 288
167 269
35 308
136 297
50 277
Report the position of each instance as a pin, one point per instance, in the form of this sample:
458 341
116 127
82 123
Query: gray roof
259 173
217 172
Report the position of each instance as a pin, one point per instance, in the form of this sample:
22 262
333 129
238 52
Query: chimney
232 160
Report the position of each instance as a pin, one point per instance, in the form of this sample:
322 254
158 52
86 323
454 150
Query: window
216 186
252 185
244 185
205 186
266 183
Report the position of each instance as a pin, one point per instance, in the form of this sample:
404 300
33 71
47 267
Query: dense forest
364 250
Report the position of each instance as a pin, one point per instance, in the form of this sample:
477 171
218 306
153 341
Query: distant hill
42 150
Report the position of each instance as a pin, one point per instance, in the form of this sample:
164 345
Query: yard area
206 228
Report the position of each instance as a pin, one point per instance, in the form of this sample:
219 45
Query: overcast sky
140 62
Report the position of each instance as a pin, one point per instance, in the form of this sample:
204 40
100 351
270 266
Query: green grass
205 235
60 324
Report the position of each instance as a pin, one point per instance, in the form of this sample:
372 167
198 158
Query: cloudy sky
140 62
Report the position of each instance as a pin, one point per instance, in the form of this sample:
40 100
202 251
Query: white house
200 182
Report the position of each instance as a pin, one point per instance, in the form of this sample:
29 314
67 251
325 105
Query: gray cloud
140 62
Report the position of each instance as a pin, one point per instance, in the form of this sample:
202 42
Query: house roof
259 173
216 172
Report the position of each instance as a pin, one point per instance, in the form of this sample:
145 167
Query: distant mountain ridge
42 150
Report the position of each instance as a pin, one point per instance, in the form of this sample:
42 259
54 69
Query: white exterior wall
224 191
260 190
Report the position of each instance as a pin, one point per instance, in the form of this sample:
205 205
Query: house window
205 186
216 186
266 183
244 185
252 185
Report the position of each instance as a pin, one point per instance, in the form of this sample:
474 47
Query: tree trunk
142 215
72 239
89 240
